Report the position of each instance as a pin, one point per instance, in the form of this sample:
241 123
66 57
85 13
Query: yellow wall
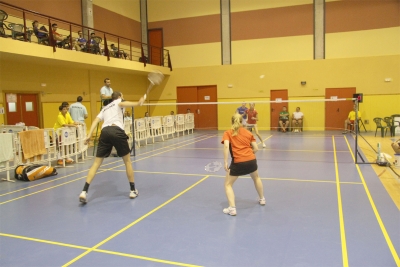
367 74
195 55
273 49
363 43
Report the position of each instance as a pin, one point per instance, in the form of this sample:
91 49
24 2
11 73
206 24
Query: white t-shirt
298 115
112 114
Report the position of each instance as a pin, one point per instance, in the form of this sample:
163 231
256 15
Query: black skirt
243 168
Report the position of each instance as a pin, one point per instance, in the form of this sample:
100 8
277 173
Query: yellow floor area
389 176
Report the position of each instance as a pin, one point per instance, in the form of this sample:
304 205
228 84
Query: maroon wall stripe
66 10
344 16
108 21
187 31
272 22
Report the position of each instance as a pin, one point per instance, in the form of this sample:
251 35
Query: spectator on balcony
41 33
80 42
94 45
61 40
118 54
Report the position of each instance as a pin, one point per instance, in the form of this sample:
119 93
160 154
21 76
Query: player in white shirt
297 120
112 134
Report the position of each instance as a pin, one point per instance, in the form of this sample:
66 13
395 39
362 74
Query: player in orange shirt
242 147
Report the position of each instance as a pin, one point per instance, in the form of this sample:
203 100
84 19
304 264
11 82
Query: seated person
61 40
351 118
118 54
284 119
94 46
396 146
80 42
114 51
297 120
41 33
188 110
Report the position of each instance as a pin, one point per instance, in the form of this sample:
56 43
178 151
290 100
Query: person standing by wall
106 92
78 111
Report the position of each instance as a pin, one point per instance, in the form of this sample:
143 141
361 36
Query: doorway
205 116
22 108
336 112
156 47
277 95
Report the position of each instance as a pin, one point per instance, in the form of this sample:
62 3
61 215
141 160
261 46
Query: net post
133 148
356 130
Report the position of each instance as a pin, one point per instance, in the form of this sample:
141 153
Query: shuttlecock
262 76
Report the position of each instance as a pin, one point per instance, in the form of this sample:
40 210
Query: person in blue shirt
80 42
41 33
242 110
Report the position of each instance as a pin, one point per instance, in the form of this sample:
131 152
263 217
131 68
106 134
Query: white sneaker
82 197
134 194
262 201
230 211
264 146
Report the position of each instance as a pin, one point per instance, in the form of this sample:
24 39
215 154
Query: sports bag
33 172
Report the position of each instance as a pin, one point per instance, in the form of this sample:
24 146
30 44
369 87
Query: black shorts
243 168
112 136
283 120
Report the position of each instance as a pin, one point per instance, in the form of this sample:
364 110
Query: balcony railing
17 23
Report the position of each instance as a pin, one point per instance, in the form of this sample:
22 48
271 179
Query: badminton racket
155 78
213 166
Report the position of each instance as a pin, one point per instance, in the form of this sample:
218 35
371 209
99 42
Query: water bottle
378 155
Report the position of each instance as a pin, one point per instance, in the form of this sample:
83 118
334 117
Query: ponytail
236 123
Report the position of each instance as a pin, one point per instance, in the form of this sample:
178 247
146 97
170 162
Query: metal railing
16 20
